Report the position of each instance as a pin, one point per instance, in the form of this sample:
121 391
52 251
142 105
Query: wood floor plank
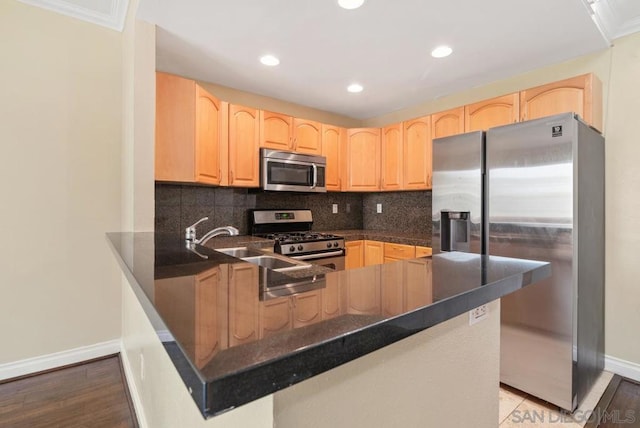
92 395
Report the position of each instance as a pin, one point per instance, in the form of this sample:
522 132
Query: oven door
332 259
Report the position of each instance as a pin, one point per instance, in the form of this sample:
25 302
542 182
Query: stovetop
295 237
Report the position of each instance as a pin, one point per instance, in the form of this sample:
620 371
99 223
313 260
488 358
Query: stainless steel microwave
292 172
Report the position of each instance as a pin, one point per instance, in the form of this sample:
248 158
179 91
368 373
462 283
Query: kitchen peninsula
210 312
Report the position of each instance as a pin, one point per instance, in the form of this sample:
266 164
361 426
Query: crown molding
114 19
610 20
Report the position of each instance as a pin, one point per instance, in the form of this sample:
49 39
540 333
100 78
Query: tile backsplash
178 206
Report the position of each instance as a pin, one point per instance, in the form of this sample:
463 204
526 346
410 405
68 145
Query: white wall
60 134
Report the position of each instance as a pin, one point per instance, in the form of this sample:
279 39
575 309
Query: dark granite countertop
237 332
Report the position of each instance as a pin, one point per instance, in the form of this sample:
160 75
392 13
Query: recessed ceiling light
269 60
354 88
350 4
441 52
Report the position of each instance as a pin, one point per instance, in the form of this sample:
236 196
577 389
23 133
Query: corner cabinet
363 159
191 129
417 154
332 149
244 155
486 114
580 94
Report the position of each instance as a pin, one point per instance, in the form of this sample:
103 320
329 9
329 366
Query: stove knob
300 247
335 244
292 249
328 244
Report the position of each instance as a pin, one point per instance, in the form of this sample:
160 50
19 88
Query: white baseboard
58 359
133 390
622 367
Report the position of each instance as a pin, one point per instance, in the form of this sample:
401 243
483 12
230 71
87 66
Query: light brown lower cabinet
395 252
354 257
423 251
373 253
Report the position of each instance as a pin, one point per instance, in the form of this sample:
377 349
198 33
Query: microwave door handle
315 175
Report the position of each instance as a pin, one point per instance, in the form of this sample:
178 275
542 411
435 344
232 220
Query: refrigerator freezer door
457 188
530 197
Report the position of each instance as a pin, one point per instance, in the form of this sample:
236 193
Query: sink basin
240 252
273 262
270 262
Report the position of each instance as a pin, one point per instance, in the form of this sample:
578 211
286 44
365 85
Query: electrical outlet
379 208
348 208
334 208
478 314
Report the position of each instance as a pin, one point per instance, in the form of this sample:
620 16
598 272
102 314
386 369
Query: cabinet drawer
399 251
423 251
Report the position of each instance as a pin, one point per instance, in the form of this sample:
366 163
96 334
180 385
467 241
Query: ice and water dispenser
455 232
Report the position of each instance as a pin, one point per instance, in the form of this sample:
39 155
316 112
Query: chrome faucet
190 232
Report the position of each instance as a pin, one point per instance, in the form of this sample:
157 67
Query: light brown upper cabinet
276 131
486 114
307 136
449 122
332 149
191 127
417 154
244 156
392 157
580 94
363 159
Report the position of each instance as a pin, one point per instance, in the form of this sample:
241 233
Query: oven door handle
315 175
319 255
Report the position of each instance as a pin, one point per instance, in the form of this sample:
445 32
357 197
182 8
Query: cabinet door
332 146
354 254
445 123
486 114
307 308
208 137
210 316
373 253
307 136
244 155
363 159
423 251
398 251
417 153
175 130
276 131
332 297
275 316
581 95
417 283
392 157
243 304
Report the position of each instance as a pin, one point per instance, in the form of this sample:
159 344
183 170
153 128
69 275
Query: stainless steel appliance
292 172
291 231
543 199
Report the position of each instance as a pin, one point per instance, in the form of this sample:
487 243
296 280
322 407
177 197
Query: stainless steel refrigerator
534 190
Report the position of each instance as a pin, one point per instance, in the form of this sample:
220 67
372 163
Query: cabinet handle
231 176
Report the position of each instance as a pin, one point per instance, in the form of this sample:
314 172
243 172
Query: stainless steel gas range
291 231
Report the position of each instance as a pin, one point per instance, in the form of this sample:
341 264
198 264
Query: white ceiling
385 45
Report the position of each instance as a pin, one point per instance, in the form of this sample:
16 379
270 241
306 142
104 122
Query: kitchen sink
240 252
270 262
274 262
